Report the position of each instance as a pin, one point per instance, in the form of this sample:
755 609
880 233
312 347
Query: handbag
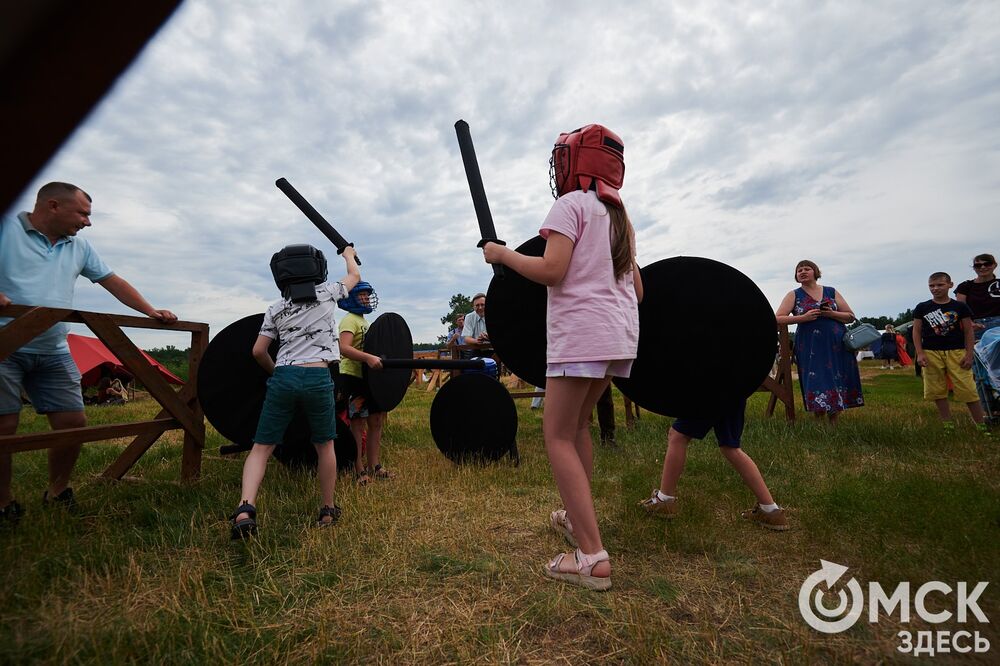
861 336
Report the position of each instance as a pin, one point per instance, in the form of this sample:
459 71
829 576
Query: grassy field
443 564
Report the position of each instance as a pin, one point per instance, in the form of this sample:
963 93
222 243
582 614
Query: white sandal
560 523
584 567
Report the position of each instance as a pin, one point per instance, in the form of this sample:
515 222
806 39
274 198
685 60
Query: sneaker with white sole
774 520
655 506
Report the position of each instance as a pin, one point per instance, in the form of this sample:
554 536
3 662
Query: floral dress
828 371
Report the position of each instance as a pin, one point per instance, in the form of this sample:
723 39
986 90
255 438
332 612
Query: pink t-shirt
591 316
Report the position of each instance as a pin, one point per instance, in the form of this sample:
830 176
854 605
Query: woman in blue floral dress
828 371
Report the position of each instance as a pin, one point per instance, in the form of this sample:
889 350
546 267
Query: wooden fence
180 409
780 385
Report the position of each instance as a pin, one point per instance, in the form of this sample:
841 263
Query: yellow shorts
948 362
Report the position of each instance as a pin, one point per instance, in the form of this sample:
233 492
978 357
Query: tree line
176 360
881 322
173 359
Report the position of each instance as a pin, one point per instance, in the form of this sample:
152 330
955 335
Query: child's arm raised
353 274
549 269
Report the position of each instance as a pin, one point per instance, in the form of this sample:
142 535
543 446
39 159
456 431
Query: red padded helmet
592 156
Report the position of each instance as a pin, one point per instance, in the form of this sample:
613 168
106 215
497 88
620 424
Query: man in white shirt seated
474 332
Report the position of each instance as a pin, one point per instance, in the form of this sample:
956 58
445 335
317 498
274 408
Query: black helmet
297 269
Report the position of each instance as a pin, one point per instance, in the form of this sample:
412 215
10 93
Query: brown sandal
331 512
382 473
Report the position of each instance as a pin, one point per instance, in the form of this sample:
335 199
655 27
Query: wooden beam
128 321
780 386
144 441
30 324
528 394
194 442
50 439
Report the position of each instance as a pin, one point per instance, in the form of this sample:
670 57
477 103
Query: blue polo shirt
33 271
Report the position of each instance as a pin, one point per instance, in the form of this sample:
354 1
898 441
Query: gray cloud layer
861 135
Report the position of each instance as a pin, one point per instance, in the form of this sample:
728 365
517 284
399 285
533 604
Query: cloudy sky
862 135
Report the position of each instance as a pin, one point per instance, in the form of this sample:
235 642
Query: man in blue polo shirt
40 259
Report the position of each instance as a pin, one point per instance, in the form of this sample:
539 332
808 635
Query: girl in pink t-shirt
594 289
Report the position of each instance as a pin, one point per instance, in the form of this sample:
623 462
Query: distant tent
91 356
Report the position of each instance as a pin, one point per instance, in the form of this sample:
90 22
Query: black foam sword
486 229
325 227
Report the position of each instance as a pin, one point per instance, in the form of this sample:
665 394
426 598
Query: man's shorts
52 382
591 369
948 362
291 386
360 403
728 427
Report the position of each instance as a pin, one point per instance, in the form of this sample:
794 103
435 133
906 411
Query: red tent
91 356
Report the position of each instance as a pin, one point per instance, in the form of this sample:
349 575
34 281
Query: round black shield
231 390
297 452
388 337
231 386
515 319
707 338
473 418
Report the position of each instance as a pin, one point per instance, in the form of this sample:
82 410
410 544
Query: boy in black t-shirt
942 335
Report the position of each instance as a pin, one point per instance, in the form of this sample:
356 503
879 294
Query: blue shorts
52 382
294 386
728 427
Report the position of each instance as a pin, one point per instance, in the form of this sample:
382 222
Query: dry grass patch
443 564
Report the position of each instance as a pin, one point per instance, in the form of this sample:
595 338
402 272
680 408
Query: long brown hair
622 236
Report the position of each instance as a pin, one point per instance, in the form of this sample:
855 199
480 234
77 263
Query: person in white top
474 327
303 322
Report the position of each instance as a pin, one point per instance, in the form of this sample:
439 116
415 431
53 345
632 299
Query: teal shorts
293 386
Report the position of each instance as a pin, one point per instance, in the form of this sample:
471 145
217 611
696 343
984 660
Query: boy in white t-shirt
303 322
